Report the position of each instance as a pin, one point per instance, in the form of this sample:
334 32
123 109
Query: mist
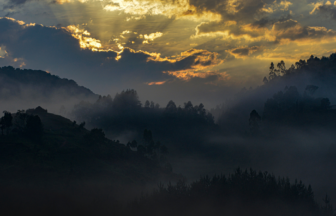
117 148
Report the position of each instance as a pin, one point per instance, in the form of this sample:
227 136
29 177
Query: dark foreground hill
40 145
52 166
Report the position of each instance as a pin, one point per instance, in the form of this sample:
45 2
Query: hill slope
68 150
30 88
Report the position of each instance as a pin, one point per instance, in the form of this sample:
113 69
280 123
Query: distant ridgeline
37 84
289 106
303 94
319 68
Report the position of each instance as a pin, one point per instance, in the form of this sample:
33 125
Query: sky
181 50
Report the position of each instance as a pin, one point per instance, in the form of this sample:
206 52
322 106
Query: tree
188 106
272 73
147 136
34 127
328 208
19 120
310 90
281 67
2 123
152 106
265 80
147 104
6 121
171 106
141 149
81 125
254 121
325 103
133 144
97 135
128 99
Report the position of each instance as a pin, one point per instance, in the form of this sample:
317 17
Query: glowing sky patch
3 52
85 41
156 83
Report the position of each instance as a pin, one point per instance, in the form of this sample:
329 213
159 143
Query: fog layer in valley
285 127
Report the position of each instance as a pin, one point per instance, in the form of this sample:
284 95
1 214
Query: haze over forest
123 107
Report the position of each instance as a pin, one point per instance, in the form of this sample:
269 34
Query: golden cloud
85 42
3 52
285 4
169 8
188 75
150 37
156 83
20 22
230 30
192 62
61 1
68 1
316 6
195 60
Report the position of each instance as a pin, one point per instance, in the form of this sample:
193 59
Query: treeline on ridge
299 96
241 193
125 113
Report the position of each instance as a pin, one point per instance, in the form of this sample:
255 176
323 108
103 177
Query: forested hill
22 88
313 71
38 79
318 67
41 145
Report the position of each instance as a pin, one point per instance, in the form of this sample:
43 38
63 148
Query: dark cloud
14 3
247 18
266 21
292 30
57 51
242 52
232 28
329 10
241 11
263 22
284 25
285 17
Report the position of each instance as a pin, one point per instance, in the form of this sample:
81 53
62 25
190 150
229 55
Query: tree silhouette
171 106
281 67
220 194
265 80
34 127
272 73
6 121
254 121
147 104
327 208
133 144
147 136
128 99
325 103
